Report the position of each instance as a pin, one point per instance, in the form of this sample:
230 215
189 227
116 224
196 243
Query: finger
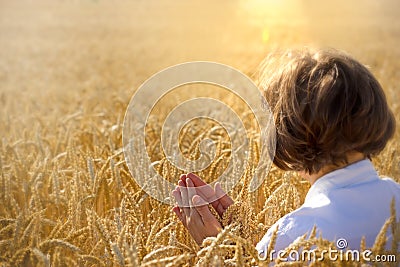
204 189
191 193
183 179
204 211
185 200
224 199
197 181
178 198
181 186
180 216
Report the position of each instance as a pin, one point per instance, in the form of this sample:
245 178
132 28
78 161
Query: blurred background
62 56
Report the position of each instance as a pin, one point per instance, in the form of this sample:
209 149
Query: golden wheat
82 207
67 196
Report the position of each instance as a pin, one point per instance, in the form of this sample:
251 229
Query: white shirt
348 203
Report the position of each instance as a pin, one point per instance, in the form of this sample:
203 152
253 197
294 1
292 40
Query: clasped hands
192 196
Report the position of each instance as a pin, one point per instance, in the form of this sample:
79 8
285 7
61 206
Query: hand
217 197
193 211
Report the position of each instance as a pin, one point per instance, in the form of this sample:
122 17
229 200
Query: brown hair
325 104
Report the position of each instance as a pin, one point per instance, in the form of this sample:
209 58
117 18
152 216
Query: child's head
325 105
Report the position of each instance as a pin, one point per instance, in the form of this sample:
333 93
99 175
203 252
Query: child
331 116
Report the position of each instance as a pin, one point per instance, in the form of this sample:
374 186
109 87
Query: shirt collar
357 173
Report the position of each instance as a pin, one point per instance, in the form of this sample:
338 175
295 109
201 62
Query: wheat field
68 69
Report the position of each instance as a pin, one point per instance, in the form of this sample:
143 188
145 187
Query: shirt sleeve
282 240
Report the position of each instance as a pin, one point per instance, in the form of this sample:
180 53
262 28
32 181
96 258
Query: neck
351 158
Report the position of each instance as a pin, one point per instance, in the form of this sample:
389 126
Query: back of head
325 104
